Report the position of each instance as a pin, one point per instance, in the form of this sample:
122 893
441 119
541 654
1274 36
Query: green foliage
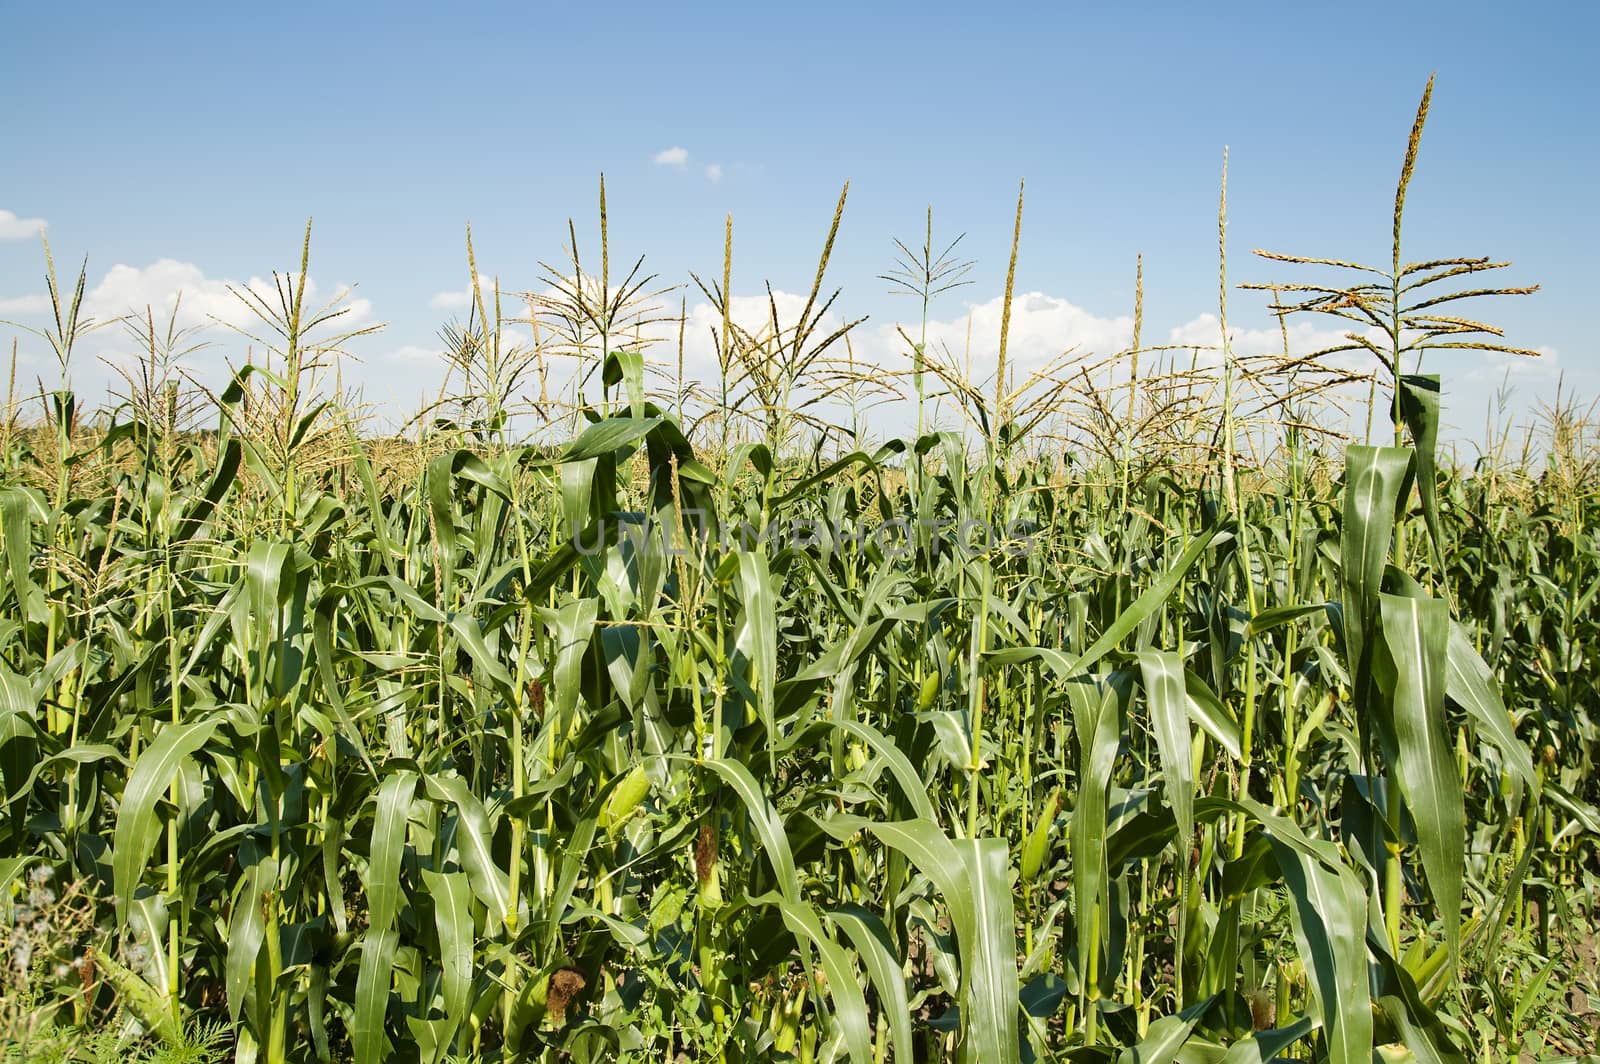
472 747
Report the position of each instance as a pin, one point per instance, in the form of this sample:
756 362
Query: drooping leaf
1416 633
138 826
1167 702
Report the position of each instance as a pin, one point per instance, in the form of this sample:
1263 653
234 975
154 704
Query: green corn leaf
844 986
1375 480
1162 1041
1278 616
1264 1046
16 515
875 949
759 633
626 368
223 476
1470 685
971 877
1417 396
138 826
1416 633
1329 916
905 774
473 838
1212 714
389 823
769 828
574 626
1038 844
1168 704
609 436
1141 609
247 932
372 995
1097 718
990 989
452 915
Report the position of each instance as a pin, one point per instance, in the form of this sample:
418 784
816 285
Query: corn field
1134 710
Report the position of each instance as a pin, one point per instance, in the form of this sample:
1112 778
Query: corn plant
1105 720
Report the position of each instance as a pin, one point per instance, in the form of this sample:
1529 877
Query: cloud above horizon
511 299
173 291
13 227
33 304
1043 328
457 299
168 287
674 156
677 158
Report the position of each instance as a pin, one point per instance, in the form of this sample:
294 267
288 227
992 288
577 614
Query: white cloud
456 300
127 289
1042 328
413 353
167 284
673 156
15 228
752 313
34 304
511 302
1205 331
1497 367
714 172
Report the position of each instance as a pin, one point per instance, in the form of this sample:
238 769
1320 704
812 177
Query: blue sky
206 134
